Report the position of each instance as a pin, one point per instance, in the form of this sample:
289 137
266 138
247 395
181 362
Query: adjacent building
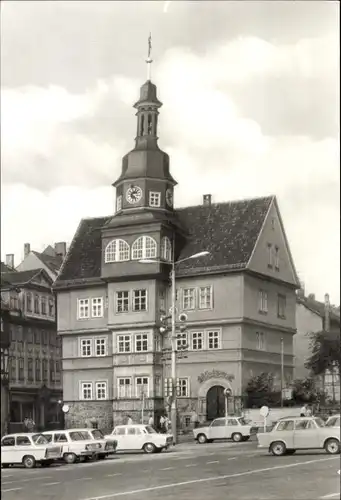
50 259
35 350
240 299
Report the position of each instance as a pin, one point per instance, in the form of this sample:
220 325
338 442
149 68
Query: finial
149 60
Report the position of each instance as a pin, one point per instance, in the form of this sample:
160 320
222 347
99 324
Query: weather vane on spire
149 60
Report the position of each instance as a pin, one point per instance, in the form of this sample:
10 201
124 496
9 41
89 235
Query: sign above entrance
207 375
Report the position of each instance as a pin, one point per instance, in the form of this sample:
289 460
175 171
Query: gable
272 236
33 261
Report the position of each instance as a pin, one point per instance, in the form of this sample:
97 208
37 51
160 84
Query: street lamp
173 330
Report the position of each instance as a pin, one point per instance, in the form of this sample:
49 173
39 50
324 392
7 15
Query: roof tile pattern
229 231
18 277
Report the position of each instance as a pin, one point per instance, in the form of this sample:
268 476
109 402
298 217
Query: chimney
326 313
10 260
60 248
207 200
301 291
311 296
27 249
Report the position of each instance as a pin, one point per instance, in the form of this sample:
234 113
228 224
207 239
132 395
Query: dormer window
154 199
166 249
117 251
119 203
144 247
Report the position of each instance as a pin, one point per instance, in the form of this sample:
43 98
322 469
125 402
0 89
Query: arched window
144 247
166 249
117 251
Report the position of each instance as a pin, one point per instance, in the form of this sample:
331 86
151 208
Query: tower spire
149 60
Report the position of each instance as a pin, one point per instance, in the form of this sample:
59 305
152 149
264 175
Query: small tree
326 352
305 391
260 391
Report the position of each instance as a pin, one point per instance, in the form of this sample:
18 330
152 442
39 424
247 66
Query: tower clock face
134 194
169 197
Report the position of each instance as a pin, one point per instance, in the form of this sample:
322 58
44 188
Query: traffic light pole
173 359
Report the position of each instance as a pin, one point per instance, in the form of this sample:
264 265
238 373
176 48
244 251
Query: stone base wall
81 414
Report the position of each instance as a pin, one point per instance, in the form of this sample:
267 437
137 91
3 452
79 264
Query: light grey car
235 428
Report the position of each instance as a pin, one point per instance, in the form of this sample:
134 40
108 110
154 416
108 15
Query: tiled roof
318 308
229 231
18 277
6 269
53 263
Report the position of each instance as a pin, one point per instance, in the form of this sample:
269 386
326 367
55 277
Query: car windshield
333 422
242 421
86 434
97 434
77 436
150 429
319 422
39 439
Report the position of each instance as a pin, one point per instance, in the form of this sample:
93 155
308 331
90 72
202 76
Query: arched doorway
215 402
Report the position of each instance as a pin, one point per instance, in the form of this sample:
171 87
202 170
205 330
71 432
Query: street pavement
217 471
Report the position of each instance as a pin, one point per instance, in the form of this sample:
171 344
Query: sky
250 94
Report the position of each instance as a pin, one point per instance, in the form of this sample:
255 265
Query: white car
300 433
333 421
234 428
108 446
75 444
28 449
140 437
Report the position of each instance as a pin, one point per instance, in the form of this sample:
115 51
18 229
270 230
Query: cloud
224 137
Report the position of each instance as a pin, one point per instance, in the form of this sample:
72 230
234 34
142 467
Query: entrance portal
215 402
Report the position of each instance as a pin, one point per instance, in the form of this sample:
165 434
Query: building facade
35 350
239 300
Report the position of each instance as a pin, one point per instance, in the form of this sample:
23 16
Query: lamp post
173 330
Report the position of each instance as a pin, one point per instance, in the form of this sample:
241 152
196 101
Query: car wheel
202 439
29 462
70 458
278 448
332 446
149 448
237 437
290 452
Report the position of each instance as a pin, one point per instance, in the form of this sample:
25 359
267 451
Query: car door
120 436
284 431
218 429
8 451
306 434
135 438
231 427
25 447
61 439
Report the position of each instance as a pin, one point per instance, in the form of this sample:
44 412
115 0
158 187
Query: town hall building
239 299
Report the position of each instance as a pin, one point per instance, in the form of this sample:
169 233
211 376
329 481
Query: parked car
108 446
28 449
140 437
300 433
75 445
235 428
333 421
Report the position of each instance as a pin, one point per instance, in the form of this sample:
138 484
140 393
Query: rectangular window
29 302
188 299
43 306
260 341
205 297
21 369
183 388
38 370
83 309
124 343
154 199
157 386
36 336
157 342
86 348
45 335
101 346
197 341
45 370
30 369
270 256
13 364
51 308
124 387
122 302
281 306
141 342
142 386
162 301
86 390
182 341
277 258
58 371
36 304
101 390
213 339
263 301
52 377
139 300
97 307
29 335
119 203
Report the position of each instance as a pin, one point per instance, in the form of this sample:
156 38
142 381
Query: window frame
263 301
83 303
124 336
117 299
270 255
105 384
89 342
260 339
119 253
119 200
276 258
83 383
281 304
182 379
200 302
142 377
218 331
97 341
130 385
184 297
154 199
199 337
144 252
166 250
134 298
97 303
144 342
181 337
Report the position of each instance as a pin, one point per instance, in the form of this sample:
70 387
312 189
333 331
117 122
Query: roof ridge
270 197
